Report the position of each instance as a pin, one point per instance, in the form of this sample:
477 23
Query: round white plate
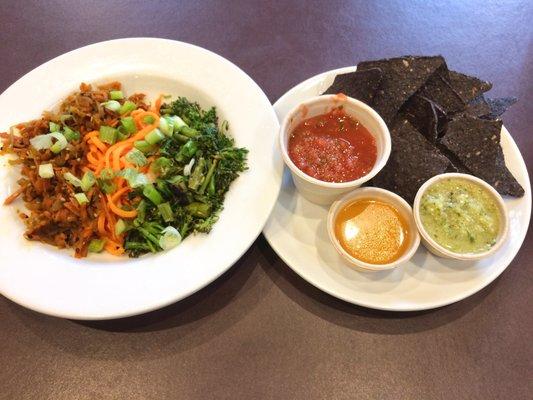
50 281
296 230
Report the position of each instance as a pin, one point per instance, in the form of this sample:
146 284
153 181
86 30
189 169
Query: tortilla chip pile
440 121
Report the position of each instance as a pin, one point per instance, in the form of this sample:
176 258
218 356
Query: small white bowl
403 208
441 251
313 189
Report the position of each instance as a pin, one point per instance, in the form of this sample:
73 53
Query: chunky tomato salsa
332 147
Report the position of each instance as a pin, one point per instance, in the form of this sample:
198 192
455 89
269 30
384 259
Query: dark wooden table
260 331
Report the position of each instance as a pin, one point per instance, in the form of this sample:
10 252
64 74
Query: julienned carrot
138 136
98 143
114 248
117 153
91 134
157 105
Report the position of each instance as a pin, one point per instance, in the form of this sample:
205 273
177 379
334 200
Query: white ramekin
318 191
403 208
441 251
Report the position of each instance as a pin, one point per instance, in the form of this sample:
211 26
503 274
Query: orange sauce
372 231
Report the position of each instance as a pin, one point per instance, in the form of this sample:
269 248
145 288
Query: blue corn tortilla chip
467 87
478 107
361 85
422 114
413 161
476 144
439 91
499 106
402 77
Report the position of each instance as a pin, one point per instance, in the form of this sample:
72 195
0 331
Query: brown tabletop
260 331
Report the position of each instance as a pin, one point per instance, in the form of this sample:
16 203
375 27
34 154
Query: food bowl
315 190
401 206
439 250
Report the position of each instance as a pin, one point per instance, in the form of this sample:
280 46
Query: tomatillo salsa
333 147
460 215
372 231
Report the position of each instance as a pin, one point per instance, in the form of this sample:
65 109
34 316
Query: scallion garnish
53 127
88 181
108 134
154 136
116 95
112 105
128 123
127 107
46 171
96 246
143 146
135 156
70 134
60 144
82 198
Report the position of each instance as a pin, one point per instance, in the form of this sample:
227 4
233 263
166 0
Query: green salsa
460 215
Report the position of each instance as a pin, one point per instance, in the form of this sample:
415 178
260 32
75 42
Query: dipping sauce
460 215
332 147
372 231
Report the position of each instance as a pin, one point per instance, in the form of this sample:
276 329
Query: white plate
44 279
296 230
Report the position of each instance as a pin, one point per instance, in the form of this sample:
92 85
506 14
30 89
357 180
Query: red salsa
333 147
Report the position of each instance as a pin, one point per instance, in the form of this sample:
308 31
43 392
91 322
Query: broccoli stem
208 176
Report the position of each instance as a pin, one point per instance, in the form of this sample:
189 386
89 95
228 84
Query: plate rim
277 162
370 305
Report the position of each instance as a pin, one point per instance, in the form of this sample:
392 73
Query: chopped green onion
96 246
88 181
154 137
65 117
189 132
70 134
143 146
106 186
170 237
112 105
54 127
121 134
165 126
199 209
135 156
108 134
128 123
120 227
46 171
135 179
151 193
127 107
107 174
177 123
180 138
72 179
60 144
82 198
187 151
116 95
166 211
41 142
148 119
